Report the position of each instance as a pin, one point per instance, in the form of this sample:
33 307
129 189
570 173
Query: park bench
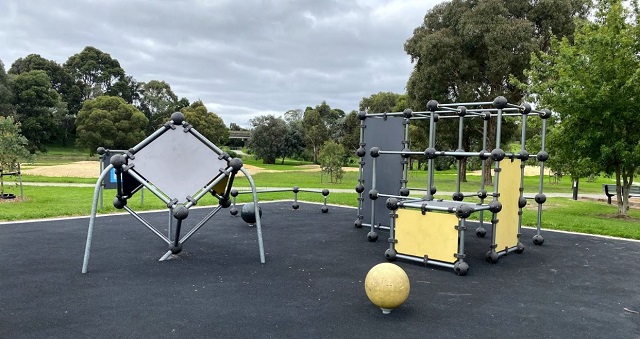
610 191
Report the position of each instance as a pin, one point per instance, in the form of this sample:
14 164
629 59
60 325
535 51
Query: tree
466 50
331 160
316 132
350 139
109 122
38 109
158 102
266 137
381 102
13 148
128 89
593 84
6 93
94 71
207 123
61 81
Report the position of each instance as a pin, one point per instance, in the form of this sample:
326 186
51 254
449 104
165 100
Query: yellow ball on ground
387 286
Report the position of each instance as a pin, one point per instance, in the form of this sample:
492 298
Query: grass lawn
559 213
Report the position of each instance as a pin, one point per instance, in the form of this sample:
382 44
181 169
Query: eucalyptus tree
94 71
467 50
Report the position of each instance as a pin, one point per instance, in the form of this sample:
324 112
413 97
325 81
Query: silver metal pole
92 218
257 213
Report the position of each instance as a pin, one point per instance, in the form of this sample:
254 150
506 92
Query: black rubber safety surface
312 285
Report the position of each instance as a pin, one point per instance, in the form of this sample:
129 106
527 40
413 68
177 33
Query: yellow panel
509 189
432 234
221 186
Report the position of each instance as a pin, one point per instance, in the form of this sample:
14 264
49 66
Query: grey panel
388 136
178 164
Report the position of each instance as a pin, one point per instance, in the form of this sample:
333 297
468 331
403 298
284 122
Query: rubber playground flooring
311 286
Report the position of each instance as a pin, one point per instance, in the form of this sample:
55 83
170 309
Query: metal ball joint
480 232
359 188
433 190
325 192
482 194
495 206
492 257
464 211
497 154
407 113
462 111
295 205
392 204
404 192
357 223
459 157
519 248
296 189
432 105
542 156
236 164
430 153
404 154
522 202
119 203
361 152
545 114
101 151
177 118
324 209
527 109
375 152
523 154
234 192
233 211
538 240
484 155
362 115
373 194
457 196
540 198
225 203
436 117
390 254
175 249
180 212
500 102
117 161
461 268
372 236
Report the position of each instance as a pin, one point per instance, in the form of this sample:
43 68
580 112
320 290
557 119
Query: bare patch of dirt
79 169
91 169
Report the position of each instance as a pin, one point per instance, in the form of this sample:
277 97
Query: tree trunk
463 170
491 144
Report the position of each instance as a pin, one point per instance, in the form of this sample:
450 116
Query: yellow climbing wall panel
509 189
433 234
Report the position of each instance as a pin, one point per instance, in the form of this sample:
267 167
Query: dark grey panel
388 136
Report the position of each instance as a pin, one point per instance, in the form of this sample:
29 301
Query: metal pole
92 218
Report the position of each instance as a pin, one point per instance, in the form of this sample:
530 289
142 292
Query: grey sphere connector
101 151
500 102
407 113
432 105
374 152
362 115
236 164
177 118
180 212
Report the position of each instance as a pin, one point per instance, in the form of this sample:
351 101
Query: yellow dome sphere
387 286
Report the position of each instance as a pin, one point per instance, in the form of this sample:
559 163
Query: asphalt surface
311 286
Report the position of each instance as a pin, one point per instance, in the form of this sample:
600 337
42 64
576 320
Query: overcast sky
242 58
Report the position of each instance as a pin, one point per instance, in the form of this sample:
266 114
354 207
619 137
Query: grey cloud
241 58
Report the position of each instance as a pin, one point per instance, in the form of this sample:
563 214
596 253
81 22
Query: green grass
559 213
584 217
